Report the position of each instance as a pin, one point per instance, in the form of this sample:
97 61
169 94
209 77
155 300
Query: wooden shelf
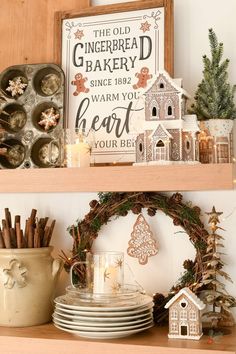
49 340
119 178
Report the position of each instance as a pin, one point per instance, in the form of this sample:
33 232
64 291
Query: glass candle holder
77 148
104 272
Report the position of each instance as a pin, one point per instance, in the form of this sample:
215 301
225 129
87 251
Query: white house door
161 152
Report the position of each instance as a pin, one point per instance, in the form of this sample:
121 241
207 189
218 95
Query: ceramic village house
185 315
169 136
216 141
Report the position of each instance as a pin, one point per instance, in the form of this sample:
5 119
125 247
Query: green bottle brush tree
214 98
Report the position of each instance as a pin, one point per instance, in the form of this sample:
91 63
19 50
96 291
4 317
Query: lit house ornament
185 310
169 136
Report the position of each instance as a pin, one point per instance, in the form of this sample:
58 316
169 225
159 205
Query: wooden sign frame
67 23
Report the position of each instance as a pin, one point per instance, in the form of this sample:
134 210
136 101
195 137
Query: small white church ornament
142 244
185 315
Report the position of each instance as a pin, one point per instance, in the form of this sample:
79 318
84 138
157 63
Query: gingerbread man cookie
79 83
143 76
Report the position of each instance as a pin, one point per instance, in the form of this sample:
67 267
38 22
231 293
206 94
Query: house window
169 111
183 303
154 111
183 315
193 328
192 315
222 151
174 314
174 327
140 147
210 144
160 144
187 145
161 86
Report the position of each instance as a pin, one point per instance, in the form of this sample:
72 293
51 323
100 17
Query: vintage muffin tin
26 141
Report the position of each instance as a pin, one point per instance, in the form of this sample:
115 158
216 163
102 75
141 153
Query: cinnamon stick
2 244
18 235
6 234
50 232
33 215
36 237
44 222
13 238
30 234
23 244
8 218
46 236
26 232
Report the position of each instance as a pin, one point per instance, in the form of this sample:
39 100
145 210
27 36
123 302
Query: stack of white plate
103 320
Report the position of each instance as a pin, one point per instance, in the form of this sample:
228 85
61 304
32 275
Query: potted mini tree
214 106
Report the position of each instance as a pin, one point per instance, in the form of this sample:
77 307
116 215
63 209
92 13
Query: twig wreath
110 205
183 214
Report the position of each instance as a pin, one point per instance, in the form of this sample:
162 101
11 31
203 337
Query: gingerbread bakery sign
108 61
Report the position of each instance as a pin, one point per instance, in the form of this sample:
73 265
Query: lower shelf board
47 339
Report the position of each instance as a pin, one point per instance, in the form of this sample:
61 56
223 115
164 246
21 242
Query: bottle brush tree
214 98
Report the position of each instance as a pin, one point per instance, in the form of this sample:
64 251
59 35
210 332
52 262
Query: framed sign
109 55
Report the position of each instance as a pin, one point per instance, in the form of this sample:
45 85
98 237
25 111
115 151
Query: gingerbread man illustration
79 83
143 76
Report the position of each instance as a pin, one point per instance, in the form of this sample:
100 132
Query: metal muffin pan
31 93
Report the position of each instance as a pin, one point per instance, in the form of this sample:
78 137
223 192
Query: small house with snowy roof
185 310
169 136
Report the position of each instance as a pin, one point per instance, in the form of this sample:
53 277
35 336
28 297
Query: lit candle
106 280
78 155
107 273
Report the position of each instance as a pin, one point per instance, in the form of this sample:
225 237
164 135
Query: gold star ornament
214 216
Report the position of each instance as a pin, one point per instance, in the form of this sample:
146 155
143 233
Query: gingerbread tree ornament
142 244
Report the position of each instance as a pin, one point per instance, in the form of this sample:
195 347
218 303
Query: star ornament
119 263
145 26
214 216
106 275
49 118
79 34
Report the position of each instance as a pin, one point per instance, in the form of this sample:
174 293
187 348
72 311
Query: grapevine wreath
110 205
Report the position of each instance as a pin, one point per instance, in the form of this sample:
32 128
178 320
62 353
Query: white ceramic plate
67 316
59 319
102 329
64 302
104 335
104 313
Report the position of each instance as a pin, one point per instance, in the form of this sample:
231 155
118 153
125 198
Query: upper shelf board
118 179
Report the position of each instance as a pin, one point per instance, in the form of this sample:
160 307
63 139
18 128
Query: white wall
192 20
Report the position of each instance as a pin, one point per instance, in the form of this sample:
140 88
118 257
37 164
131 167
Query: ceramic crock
27 283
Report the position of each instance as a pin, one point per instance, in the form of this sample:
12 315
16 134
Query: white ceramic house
169 136
185 310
